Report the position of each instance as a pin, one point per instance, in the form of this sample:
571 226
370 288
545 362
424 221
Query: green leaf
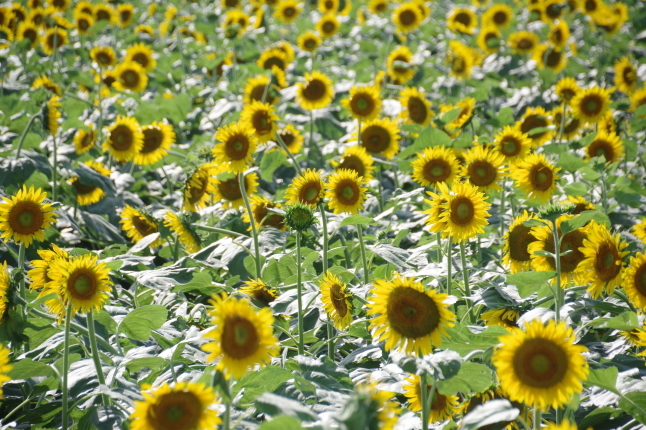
603 378
582 219
451 115
530 279
472 377
152 363
634 404
441 365
430 136
627 321
138 323
570 162
27 368
273 404
576 189
270 162
254 384
281 423
492 412
357 220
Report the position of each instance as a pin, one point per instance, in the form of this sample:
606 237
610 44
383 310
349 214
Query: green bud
553 211
300 217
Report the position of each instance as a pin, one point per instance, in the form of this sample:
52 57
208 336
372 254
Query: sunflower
434 212
235 23
590 105
336 301
506 318
637 99
462 20
181 226
483 168
376 406
380 137
499 15
125 139
571 127
566 89
356 158
549 57
260 208
309 41
242 338
105 12
5 367
625 75
138 224
83 22
258 88
559 34
24 217
28 30
571 241
536 118
130 76
260 291
580 204
89 194
229 193
316 92
288 10
523 42
81 281
126 13
553 9
516 254
603 263
273 57
199 188
364 103
345 191
186 406
328 6
328 25
639 229
143 55
607 145
512 144
536 176
377 7
54 38
493 393
84 139
407 316
84 6
307 188
158 139
39 276
6 34
464 211
489 39
435 165
104 56
467 106
443 407
238 143
51 115
5 287
291 137
407 17
261 119
400 65
45 82
416 109
461 60
541 367
634 280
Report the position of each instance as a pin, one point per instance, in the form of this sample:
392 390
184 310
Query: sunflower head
435 165
364 103
407 17
464 212
309 41
535 123
536 176
523 42
483 168
345 191
604 260
238 143
138 223
625 75
328 25
606 145
263 217
24 217
358 159
505 317
499 15
300 217
380 137
5 367
512 143
462 20
400 65
443 407
416 109
566 89
590 105
130 75
141 54
200 186
125 139
259 118
336 301
260 291
182 227
316 92
306 188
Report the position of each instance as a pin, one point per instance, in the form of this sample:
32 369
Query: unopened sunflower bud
299 217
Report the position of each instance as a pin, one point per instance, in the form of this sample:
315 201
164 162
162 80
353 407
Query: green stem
537 418
95 355
449 265
24 134
23 289
438 236
465 276
66 364
281 142
502 210
176 249
227 414
364 261
299 292
55 170
604 192
557 261
254 232
346 252
311 128
425 403
562 127
219 230
325 235
330 344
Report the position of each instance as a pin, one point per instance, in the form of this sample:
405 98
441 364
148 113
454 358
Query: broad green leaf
28 368
270 162
472 377
281 423
138 323
273 404
603 378
357 220
634 404
627 321
152 363
492 412
254 384
582 219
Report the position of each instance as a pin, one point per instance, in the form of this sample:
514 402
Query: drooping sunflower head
336 301
462 20
54 39
125 139
416 109
309 41
407 17
559 34
141 54
461 59
590 105
138 224
228 192
535 123
238 143
39 276
328 25
199 188
260 291
604 260
505 317
316 92
242 337
181 226
523 42
260 117
263 217
185 406
104 56
130 75
88 194
435 210
82 282
409 317
483 168
364 103
550 57
499 15
443 407
358 159
24 217
51 115
345 191
158 139
259 88
512 144
44 81
288 10
625 75
84 139
541 367
516 254
566 89
291 137
400 65
606 145
536 176
435 165
307 188
380 137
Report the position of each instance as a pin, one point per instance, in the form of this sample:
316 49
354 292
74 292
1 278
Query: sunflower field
323 214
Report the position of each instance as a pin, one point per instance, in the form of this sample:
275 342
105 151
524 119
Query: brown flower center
412 313
540 363
239 337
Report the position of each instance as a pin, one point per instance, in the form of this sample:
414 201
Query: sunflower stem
254 232
465 276
289 154
604 192
54 170
219 230
502 209
95 356
537 418
562 126
22 289
438 236
449 264
424 398
311 128
364 261
66 364
325 238
330 344
24 134
557 261
176 249
299 292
